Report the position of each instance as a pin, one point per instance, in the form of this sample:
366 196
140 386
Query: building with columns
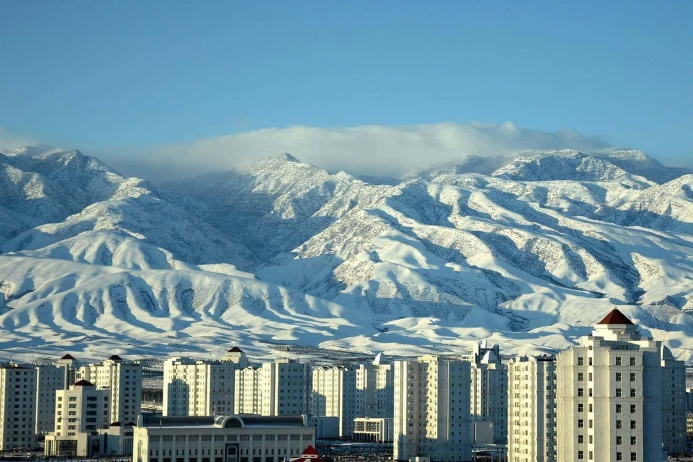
222 438
620 396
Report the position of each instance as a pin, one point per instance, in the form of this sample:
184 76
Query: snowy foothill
528 253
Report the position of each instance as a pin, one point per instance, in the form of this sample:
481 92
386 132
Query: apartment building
80 411
620 396
198 387
49 379
334 395
17 406
532 409
432 409
124 381
281 387
489 389
374 388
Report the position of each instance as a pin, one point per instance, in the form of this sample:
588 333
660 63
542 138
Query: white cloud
10 141
371 149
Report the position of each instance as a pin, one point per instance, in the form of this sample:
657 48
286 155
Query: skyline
128 80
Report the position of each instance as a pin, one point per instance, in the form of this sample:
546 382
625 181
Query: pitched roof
310 450
84 383
67 356
115 358
615 317
235 350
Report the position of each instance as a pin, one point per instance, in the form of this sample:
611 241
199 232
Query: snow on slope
281 251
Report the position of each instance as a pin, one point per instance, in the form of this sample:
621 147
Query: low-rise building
222 438
373 429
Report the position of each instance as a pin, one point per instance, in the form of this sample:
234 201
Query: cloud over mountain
369 149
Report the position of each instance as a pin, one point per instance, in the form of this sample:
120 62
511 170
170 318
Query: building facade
49 379
334 395
489 389
124 380
432 410
532 409
620 396
374 388
17 407
221 439
198 387
80 412
278 388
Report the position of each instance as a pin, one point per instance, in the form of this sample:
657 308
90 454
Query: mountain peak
287 157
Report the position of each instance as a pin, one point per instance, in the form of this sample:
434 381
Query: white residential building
49 379
489 389
532 409
334 395
620 396
431 409
247 396
124 380
201 387
17 406
222 438
278 388
374 388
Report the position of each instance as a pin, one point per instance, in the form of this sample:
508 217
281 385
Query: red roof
84 383
615 317
310 451
235 350
67 356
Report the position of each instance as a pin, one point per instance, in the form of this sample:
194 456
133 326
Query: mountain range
528 252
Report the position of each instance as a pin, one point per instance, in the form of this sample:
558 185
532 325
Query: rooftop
84 383
615 317
235 350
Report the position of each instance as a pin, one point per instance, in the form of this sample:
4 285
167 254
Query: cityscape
617 395
363 231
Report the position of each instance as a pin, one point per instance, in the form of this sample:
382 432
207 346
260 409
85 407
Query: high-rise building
124 380
334 395
374 388
278 388
431 409
247 396
620 396
489 389
17 406
49 379
201 387
532 409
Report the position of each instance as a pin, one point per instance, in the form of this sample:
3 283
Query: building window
632 425
619 440
633 456
580 361
632 376
618 376
618 392
632 408
618 408
633 440
581 423
618 360
581 392
632 360
581 407
580 376
618 424
581 455
619 456
632 392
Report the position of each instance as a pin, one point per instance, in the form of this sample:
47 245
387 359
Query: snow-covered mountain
527 251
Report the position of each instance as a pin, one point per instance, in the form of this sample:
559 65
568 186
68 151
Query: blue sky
126 76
